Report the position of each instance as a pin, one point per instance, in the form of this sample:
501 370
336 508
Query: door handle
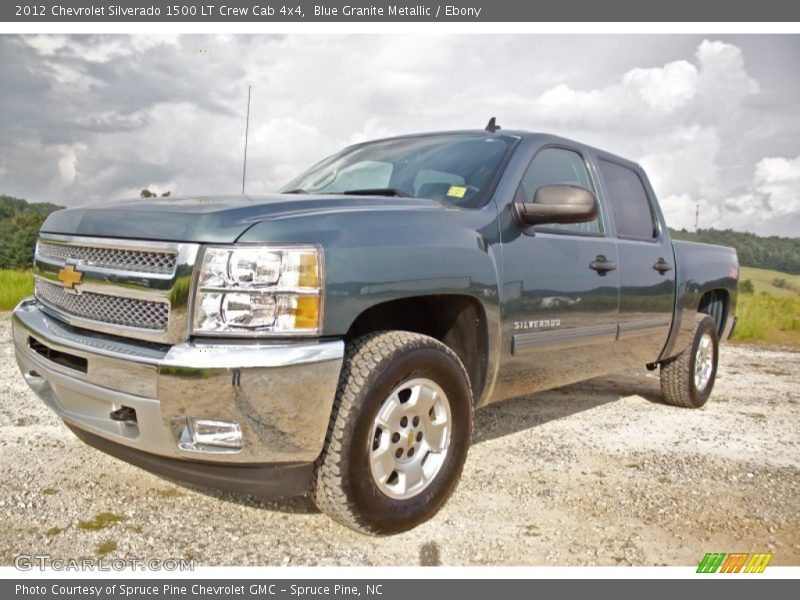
602 265
662 266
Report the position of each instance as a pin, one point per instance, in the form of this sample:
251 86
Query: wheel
398 436
687 379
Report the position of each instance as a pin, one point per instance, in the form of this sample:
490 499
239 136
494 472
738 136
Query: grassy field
763 281
767 318
14 286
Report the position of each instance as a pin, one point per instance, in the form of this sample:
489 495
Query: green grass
105 547
768 318
763 281
100 521
14 286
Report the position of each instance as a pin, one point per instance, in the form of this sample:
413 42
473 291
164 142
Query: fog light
210 435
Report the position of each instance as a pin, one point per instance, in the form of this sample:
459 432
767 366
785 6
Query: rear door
646 262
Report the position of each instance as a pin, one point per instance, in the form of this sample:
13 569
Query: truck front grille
131 288
117 310
118 259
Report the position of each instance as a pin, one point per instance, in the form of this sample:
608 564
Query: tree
19 228
747 287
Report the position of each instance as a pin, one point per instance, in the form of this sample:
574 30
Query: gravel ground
597 473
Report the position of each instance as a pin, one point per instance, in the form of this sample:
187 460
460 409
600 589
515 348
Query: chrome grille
117 310
119 259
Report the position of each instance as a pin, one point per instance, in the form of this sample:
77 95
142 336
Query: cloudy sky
89 119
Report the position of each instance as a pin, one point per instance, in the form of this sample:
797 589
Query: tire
679 385
380 369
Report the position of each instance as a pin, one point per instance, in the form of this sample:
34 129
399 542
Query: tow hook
124 414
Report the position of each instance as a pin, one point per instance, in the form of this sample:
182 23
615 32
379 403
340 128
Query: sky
715 120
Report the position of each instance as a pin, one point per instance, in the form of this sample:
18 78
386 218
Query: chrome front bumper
281 393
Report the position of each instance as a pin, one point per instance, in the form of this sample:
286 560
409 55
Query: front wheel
398 436
687 379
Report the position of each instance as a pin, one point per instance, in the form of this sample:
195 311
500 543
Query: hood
210 219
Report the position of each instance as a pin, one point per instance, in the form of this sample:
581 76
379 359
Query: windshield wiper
295 191
377 192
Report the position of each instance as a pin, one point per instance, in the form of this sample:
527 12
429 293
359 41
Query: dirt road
598 473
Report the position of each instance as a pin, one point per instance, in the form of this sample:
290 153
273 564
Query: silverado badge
70 277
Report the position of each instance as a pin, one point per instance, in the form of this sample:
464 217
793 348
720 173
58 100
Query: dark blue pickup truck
335 338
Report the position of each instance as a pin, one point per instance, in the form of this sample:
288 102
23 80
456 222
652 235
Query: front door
560 290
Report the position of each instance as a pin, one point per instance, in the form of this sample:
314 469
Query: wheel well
715 304
459 322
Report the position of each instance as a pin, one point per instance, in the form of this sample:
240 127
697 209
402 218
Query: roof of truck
509 133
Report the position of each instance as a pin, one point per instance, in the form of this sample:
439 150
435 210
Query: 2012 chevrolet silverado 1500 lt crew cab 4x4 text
336 337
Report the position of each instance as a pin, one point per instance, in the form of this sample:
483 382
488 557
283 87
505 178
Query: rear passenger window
628 201
553 166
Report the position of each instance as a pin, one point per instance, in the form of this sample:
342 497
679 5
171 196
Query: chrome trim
643 327
118 311
555 339
78 252
280 393
174 288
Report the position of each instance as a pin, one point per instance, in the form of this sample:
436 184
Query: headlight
251 290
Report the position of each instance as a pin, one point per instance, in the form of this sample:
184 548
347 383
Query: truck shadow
525 412
498 420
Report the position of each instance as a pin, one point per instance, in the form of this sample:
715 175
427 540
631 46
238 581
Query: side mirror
558 204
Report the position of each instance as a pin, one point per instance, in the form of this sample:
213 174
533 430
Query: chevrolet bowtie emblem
70 277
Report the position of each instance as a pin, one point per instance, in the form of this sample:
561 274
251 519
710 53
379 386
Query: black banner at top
483 11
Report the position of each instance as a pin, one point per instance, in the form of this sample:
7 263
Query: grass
14 286
170 493
100 521
105 547
763 281
768 318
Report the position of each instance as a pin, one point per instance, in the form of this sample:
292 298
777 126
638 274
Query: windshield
455 168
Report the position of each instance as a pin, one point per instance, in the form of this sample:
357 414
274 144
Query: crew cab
336 337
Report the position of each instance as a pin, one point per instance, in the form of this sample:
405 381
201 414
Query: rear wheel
399 433
688 379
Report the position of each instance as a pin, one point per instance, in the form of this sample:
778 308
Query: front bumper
281 393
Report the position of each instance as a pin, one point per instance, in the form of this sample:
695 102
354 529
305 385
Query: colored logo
70 277
742 562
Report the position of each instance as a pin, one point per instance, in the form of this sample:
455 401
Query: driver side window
553 166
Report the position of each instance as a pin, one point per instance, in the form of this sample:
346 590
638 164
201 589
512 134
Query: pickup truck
336 337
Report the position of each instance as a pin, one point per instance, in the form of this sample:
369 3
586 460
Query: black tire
677 374
375 364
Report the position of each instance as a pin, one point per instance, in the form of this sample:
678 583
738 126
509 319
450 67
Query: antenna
696 216
492 126
246 130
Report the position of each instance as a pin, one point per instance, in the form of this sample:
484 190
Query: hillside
19 226
764 281
776 253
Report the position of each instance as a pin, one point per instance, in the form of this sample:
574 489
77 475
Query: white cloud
663 89
103 116
99 49
68 164
771 202
779 179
